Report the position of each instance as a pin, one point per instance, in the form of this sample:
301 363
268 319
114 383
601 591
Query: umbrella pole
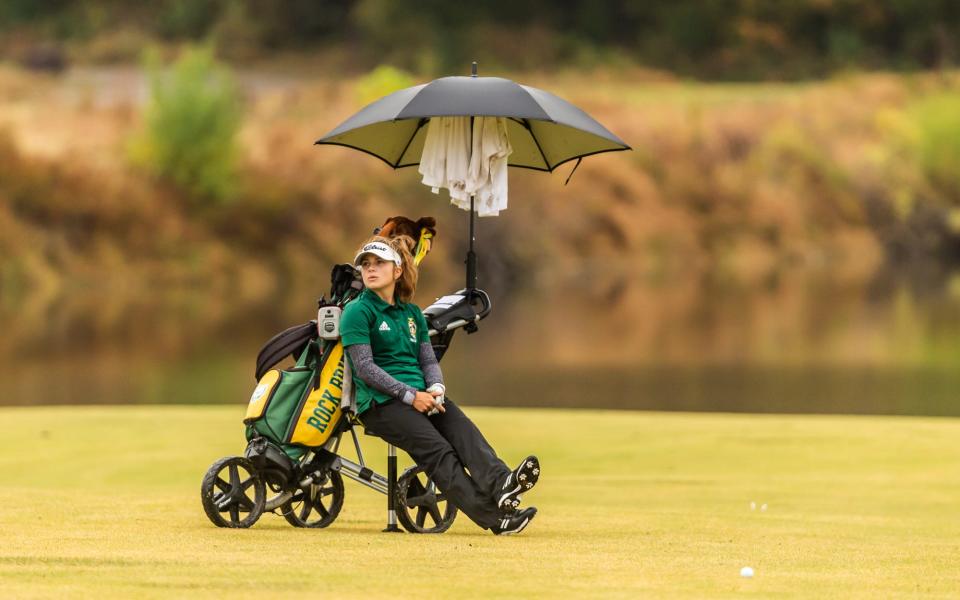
471 255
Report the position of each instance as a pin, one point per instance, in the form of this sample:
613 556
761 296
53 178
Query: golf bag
298 408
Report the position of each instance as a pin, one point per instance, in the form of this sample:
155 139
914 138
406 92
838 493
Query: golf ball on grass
746 572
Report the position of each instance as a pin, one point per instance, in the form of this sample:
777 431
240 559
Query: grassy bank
104 502
767 197
742 182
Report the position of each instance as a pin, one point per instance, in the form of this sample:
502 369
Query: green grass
104 501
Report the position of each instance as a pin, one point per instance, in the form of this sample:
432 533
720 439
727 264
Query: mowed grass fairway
104 502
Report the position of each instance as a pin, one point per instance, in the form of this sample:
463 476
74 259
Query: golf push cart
297 418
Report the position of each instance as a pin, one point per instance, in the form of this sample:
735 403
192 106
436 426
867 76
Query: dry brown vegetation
740 184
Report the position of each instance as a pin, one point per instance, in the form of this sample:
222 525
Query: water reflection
802 343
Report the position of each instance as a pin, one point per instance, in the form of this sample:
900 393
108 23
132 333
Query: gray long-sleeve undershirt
361 359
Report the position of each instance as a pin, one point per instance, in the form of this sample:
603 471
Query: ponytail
407 284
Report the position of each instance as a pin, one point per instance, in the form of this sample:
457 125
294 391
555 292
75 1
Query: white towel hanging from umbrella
468 159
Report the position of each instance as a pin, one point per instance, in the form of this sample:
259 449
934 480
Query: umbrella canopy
544 130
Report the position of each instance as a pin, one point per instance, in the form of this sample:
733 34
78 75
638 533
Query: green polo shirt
394 333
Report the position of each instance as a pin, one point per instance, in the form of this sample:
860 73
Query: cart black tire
417 499
226 500
298 510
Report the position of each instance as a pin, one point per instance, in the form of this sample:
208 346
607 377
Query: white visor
378 249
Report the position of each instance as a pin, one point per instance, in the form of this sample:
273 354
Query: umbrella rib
526 123
547 170
420 124
364 150
566 160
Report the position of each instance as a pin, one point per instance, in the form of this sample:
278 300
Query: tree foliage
707 38
191 124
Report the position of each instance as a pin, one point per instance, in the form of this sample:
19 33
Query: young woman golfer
398 380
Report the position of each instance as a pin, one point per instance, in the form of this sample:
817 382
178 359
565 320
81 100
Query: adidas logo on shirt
384 326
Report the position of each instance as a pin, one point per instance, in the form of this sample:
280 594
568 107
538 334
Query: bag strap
308 356
291 341
315 357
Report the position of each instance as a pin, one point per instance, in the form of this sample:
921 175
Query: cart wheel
417 499
277 494
231 489
276 499
316 505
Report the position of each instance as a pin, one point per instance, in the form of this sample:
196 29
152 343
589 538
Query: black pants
446 445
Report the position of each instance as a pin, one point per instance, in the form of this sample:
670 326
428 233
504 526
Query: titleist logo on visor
378 249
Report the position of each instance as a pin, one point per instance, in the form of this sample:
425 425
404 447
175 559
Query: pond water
793 345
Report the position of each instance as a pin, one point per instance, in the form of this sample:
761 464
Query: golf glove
438 400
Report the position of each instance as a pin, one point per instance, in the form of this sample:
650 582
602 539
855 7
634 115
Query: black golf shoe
516 523
519 481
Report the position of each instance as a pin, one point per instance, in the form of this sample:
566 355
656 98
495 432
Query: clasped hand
424 402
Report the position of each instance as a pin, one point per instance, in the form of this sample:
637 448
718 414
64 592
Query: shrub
191 125
937 120
381 81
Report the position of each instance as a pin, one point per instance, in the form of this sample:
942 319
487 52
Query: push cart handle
486 305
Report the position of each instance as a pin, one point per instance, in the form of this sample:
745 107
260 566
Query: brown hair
407 283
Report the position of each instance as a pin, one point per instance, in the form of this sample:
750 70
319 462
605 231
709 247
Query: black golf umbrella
545 131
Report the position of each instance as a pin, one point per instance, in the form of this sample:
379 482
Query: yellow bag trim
321 410
423 246
261 395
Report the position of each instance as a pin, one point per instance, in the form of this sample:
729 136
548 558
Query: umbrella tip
473 69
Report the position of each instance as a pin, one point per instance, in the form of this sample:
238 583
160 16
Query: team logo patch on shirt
413 328
384 326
